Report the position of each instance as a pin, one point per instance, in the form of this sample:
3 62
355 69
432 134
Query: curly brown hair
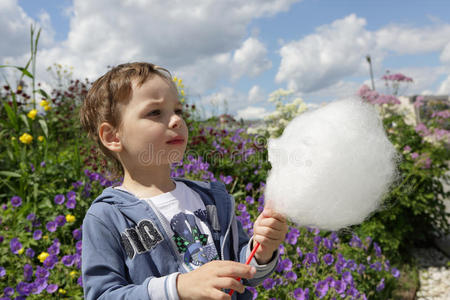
107 94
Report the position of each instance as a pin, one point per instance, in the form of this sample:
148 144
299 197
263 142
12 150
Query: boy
157 237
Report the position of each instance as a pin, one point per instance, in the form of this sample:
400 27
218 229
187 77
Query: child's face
153 131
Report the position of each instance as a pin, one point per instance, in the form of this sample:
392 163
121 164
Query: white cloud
15 30
323 58
337 50
410 40
444 88
251 59
188 37
445 54
255 94
252 113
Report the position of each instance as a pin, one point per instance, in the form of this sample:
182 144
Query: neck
148 182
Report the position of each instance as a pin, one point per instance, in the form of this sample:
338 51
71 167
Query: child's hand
269 231
207 281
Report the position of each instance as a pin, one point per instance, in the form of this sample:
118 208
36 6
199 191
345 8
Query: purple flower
249 186
299 252
78 246
241 207
32 167
51 288
51 226
317 239
376 266
380 285
292 236
250 288
30 252
355 242
284 265
4 206
27 272
15 245
249 200
377 249
347 277
340 286
76 234
37 234
321 289
226 179
31 217
8 291
50 261
38 286
59 199
2 272
1 238
23 288
361 268
16 201
42 272
71 203
300 294
395 272
414 155
80 283
60 220
67 260
268 283
291 276
328 259
42 164
328 243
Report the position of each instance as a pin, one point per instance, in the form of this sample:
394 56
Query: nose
175 121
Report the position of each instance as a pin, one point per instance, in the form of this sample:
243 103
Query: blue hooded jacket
127 254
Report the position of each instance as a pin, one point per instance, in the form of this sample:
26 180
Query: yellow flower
20 250
175 78
47 107
62 291
73 274
182 93
45 237
70 218
43 103
32 114
19 87
26 138
42 256
40 138
13 138
180 81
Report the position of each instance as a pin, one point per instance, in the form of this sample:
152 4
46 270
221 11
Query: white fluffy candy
332 166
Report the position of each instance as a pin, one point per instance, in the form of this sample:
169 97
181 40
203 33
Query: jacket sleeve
245 248
103 268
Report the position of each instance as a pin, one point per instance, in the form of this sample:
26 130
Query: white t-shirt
184 217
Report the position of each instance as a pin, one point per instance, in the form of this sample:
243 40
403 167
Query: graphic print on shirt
191 241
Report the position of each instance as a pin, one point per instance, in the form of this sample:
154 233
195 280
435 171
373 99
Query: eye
156 112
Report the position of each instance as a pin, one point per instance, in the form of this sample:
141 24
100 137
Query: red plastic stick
249 259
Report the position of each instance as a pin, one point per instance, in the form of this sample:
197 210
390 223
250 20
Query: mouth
176 140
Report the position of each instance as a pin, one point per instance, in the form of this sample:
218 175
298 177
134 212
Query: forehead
155 89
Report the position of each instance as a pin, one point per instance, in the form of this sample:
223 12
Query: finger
219 295
266 241
229 283
270 213
269 233
235 269
273 223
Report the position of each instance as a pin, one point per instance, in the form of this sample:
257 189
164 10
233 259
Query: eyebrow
154 102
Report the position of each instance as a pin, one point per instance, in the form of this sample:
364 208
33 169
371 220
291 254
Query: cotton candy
332 166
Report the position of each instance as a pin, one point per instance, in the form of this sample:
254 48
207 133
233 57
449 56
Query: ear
109 137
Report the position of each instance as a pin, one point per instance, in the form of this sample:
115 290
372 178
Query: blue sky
314 47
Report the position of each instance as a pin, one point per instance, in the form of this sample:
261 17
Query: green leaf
10 174
43 93
23 70
25 121
44 127
11 115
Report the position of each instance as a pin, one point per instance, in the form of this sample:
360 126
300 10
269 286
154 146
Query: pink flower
419 101
414 155
407 148
422 130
